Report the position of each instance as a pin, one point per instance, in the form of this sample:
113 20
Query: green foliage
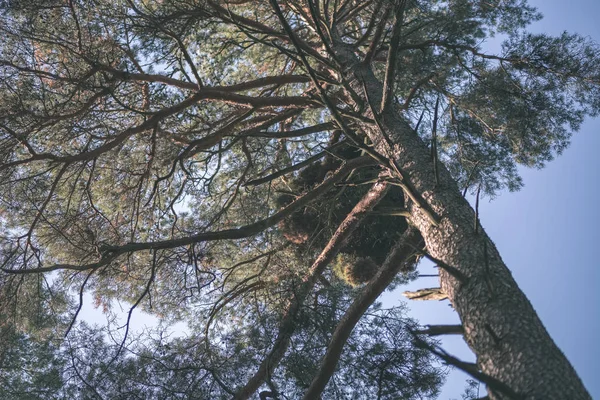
29 370
158 367
471 390
353 270
131 133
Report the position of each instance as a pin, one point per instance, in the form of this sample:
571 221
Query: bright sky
547 233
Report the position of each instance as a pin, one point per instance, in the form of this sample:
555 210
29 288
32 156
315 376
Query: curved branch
109 253
295 167
326 126
401 258
287 326
238 20
150 123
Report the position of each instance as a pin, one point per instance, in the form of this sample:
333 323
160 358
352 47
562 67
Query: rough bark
500 324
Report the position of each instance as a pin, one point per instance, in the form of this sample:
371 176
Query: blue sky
547 233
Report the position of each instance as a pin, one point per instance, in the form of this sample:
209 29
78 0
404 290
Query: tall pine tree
264 170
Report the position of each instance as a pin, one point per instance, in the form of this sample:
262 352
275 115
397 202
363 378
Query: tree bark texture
500 324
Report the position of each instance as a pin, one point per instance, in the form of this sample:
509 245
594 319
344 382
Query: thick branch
239 87
390 68
426 294
295 167
287 326
204 94
111 252
401 259
326 126
228 15
437 330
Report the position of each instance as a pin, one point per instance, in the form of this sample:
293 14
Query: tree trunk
500 325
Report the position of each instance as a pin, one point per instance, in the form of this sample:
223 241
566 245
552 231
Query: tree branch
295 167
401 258
109 253
437 330
390 68
287 326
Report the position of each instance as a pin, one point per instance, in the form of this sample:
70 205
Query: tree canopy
263 171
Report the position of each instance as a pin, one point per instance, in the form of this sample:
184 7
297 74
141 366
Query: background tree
144 146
